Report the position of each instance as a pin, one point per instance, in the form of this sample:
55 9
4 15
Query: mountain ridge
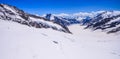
12 13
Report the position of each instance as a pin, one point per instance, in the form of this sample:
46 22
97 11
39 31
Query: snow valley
92 35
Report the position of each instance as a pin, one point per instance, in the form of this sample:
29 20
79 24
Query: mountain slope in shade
22 42
11 13
62 20
108 21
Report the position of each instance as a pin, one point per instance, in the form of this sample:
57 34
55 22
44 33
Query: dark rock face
48 16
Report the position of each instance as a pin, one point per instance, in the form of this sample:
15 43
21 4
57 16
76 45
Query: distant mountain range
108 21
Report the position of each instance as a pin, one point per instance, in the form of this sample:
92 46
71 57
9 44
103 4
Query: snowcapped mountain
11 13
107 21
78 16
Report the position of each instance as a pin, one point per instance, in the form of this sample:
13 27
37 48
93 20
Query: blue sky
63 6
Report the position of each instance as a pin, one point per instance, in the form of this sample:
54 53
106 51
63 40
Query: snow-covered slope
11 13
22 42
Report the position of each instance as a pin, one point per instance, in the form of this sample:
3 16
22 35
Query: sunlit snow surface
22 42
